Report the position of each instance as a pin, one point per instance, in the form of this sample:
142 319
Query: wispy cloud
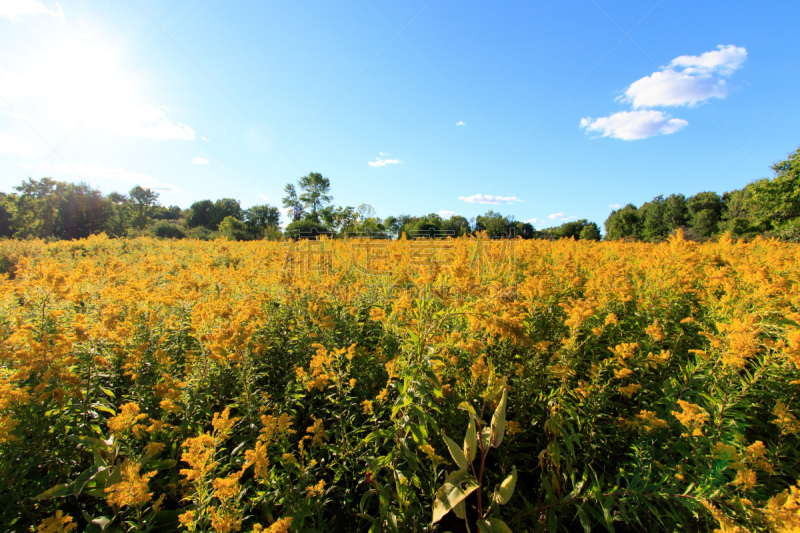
383 153
633 125
12 9
200 161
204 138
94 170
536 221
614 206
687 80
383 162
11 144
263 197
489 199
461 123
447 214
560 216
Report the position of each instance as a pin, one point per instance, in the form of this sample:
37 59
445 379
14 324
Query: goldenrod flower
132 490
60 523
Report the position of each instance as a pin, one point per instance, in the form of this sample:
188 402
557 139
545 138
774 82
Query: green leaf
461 510
162 464
497 526
507 487
59 491
483 527
455 452
552 521
587 525
457 486
470 442
499 421
464 406
91 443
86 476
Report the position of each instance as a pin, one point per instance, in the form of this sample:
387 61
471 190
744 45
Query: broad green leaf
470 442
497 526
461 510
457 486
507 487
499 421
464 406
59 491
91 443
86 476
455 452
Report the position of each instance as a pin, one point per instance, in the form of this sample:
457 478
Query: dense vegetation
157 385
52 209
769 207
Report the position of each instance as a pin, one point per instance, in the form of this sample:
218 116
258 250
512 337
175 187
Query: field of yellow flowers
433 385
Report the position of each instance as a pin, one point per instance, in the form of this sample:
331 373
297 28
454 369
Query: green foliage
48 208
235 230
590 232
166 230
306 229
260 217
776 202
624 223
144 202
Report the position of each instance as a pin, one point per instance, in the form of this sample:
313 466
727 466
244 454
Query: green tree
6 214
234 229
37 208
705 212
314 196
590 232
623 223
458 225
775 203
260 217
82 211
495 224
201 214
143 201
227 207
654 226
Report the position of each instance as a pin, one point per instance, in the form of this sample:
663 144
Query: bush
165 230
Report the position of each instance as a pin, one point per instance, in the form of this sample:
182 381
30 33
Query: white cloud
632 125
12 9
687 80
200 161
128 118
560 216
489 199
11 144
724 60
204 138
263 197
99 171
164 188
447 214
614 206
382 162
461 123
382 153
535 221
84 171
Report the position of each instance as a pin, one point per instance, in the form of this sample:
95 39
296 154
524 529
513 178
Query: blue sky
545 111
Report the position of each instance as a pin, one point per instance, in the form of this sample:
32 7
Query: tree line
767 207
50 209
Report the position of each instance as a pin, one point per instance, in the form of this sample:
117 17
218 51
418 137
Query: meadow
435 385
